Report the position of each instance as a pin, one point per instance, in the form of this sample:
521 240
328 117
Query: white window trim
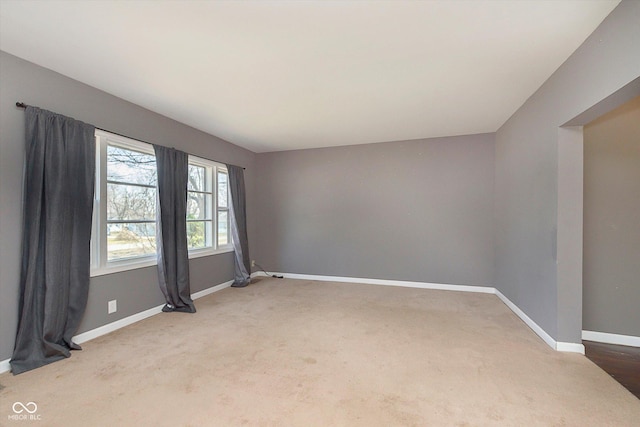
213 168
99 262
227 209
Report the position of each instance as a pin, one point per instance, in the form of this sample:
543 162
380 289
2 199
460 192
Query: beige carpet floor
302 353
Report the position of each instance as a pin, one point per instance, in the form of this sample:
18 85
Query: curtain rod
23 105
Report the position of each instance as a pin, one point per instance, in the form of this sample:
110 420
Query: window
126 203
131 203
223 208
199 205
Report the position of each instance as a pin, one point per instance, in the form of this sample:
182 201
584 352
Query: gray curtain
238 221
171 229
56 234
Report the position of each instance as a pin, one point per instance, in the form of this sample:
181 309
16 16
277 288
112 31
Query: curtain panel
56 235
238 211
171 229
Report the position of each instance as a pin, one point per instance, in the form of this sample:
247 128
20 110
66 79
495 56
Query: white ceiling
280 75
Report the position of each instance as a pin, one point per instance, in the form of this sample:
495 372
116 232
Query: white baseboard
527 320
114 326
569 347
4 366
556 345
607 338
211 290
384 282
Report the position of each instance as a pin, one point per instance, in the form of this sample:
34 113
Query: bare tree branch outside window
131 203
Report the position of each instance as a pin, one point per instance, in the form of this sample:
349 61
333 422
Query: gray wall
526 174
135 290
413 210
611 222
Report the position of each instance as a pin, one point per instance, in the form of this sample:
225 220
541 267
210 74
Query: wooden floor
619 361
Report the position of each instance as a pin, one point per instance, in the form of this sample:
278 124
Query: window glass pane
197 176
223 227
196 234
223 195
130 166
127 202
198 205
130 240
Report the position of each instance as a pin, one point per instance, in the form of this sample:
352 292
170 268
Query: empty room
354 213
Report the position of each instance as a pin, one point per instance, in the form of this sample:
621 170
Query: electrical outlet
253 263
112 306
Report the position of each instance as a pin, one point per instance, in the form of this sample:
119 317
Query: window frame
100 265
212 169
219 208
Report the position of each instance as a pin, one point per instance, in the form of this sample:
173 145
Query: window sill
118 267
198 253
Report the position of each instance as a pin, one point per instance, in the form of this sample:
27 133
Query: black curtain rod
23 105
